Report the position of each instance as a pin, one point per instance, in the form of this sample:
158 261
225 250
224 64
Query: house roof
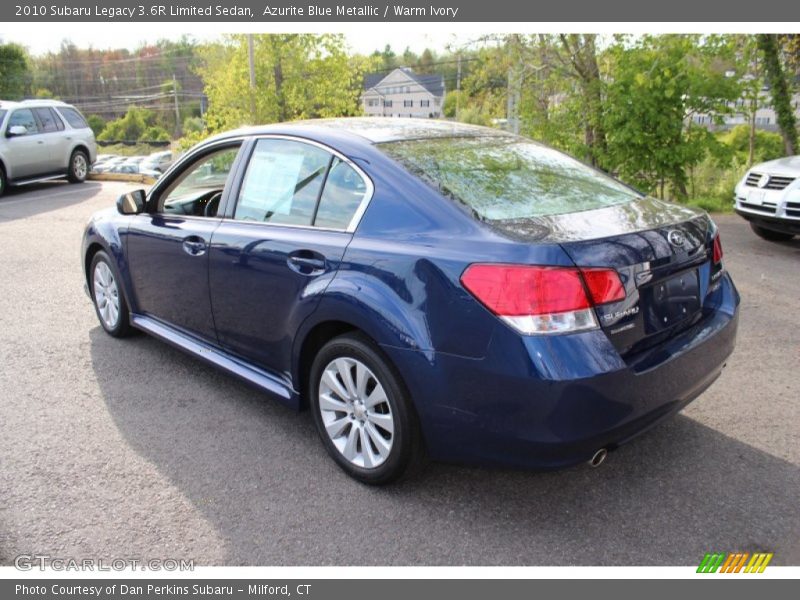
432 83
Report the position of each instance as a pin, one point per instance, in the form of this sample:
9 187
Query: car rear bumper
549 402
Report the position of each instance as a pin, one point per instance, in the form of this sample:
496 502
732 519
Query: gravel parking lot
128 448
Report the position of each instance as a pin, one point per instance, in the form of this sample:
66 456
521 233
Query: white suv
43 139
769 197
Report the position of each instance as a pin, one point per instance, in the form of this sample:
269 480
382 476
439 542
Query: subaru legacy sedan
425 288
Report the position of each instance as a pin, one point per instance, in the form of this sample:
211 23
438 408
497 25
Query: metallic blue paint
483 392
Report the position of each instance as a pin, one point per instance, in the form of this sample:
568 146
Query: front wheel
107 297
362 411
78 167
3 181
769 234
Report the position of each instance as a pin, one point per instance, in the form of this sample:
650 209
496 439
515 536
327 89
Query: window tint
23 117
343 193
282 182
48 120
73 117
504 177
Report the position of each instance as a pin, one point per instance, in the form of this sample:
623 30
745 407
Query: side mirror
131 203
16 130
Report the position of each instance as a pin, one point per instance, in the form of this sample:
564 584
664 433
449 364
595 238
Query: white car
43 139
769 197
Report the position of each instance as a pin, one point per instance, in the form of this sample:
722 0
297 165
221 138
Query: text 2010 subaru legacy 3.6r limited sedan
424 288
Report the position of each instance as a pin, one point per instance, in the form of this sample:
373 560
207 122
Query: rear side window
282 183
24 117
507 177
344 191
73 117
48 120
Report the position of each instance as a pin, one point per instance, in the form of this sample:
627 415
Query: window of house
387 103
408 103
424 103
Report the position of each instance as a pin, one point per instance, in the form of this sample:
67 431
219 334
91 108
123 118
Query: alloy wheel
106 295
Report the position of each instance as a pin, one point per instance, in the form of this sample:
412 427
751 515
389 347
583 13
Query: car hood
640 215
789 166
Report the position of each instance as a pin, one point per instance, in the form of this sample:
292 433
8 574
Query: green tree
97 123
658 84
779 87
298 76
14 73
129 128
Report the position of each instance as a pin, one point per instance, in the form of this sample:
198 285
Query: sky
364 41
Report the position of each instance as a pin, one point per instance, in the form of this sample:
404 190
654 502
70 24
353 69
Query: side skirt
259 378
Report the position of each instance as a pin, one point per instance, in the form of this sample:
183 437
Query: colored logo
734 562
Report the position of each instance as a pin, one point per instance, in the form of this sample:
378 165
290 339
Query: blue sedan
425 288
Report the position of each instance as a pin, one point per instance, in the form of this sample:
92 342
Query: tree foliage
15 75
779 87
297 76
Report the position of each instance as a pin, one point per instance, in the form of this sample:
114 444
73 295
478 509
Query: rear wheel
769 234
78 167
362 412
3 181
107 297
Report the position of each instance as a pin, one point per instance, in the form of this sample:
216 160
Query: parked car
108 164
41 140
423 287
768 196
158 161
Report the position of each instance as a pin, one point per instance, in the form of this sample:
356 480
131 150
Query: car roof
374 130
6 104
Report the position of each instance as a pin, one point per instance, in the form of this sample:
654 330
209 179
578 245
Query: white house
403 93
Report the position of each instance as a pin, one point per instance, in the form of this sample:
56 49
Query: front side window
198 188
505 177
23 117
282 183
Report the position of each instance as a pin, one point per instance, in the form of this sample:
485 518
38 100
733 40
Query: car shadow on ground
258 473
37 198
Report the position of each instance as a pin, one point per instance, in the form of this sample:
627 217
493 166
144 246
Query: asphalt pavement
129 449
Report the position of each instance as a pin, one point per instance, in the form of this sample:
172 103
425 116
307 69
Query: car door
282 240
27 153
167 246
56 142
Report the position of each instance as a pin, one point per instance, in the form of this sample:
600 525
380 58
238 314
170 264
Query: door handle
194 245
307 262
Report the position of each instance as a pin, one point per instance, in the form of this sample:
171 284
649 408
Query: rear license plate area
670 301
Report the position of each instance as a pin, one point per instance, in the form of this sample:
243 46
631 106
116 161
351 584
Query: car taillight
717 249
539 299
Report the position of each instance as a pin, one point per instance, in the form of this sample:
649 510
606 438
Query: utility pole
251 59
512 106
458 87
177 108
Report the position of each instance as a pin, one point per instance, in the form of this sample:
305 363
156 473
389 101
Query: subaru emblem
676 238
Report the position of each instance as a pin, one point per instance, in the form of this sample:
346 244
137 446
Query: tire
3 180
107 297
78 168
374 444
769 234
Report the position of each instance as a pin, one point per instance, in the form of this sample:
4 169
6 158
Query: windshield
2 115
507 177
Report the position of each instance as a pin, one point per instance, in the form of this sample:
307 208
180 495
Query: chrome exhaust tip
598 458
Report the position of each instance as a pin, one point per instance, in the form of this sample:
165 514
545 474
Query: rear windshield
507 177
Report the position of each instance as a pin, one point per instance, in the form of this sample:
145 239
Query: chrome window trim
202 148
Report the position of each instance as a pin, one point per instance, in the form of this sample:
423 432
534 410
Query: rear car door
168 246
56 142
282 240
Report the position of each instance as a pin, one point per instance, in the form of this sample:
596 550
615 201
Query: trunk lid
662 252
